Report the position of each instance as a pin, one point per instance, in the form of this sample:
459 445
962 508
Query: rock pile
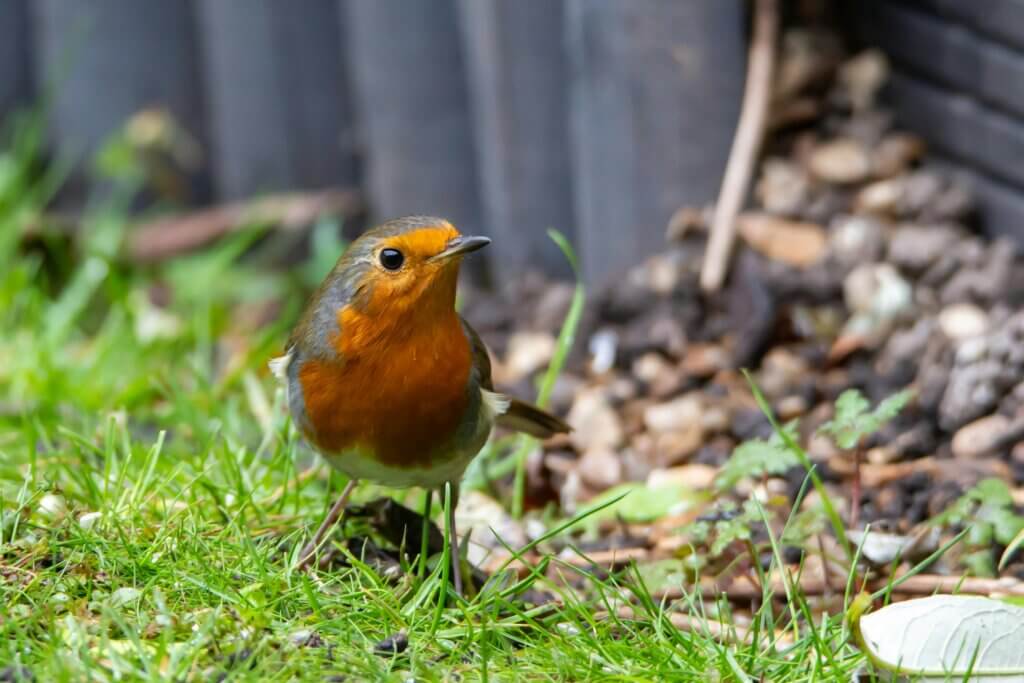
859 266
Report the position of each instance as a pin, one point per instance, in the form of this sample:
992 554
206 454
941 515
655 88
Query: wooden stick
172 235
757 94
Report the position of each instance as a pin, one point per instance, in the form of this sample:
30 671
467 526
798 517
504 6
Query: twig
168 236
922 584
749 134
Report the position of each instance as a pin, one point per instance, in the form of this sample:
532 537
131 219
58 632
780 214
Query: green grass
154 497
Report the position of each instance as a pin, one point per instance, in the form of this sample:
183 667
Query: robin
386 381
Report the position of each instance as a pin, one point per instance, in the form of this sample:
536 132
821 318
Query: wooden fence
958 80
597 117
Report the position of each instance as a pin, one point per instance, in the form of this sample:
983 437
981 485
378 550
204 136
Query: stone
527 353
600 468
783 187
704 360
676 446
881 549
595 424
674 416
781 370
856 239
795 243
916 247
791 407
715 419
980 437
694 476
842 161
972 391
881 197
877 289
895 154
603 347
963 321
863 76
88 520
52 506
878 296
486 521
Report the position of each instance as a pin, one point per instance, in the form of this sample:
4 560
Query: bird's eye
392 259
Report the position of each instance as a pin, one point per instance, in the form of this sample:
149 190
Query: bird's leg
425 538
451 500
332 517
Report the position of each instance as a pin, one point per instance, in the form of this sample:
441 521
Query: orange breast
399 389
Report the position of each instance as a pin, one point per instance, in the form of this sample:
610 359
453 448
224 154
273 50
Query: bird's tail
529 419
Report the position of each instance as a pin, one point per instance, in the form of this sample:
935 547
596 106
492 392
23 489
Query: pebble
963 321
795 243
877 289
863 75
704 360
600 468
881 197
841 161
52 506
677 415
655 371
895 153
527 353
715 419
88 520
783 187
915 247
677 446
781 370
980 437
486 521
595 424
791 407
694 476
856 239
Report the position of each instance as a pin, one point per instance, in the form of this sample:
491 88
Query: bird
384 378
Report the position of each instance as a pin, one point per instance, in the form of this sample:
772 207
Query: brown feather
529 419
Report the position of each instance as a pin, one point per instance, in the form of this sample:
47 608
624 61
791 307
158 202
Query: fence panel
519 87
656 86
277 93
412 109
15 48
107 59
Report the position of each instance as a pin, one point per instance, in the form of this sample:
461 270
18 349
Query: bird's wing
481 358
514 414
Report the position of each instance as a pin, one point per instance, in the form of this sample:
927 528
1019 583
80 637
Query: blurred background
600 118
507 117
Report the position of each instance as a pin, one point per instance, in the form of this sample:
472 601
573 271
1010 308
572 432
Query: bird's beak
463 244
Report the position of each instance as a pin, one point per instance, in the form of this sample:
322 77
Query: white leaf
947 635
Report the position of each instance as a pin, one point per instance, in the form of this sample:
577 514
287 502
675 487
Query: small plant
986 510
759 457
854 421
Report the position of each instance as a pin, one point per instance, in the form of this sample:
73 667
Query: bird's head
405 267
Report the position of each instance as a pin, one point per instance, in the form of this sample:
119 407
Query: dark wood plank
107 59
518 83
960 126
656 87
277 94
15 48
412 109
